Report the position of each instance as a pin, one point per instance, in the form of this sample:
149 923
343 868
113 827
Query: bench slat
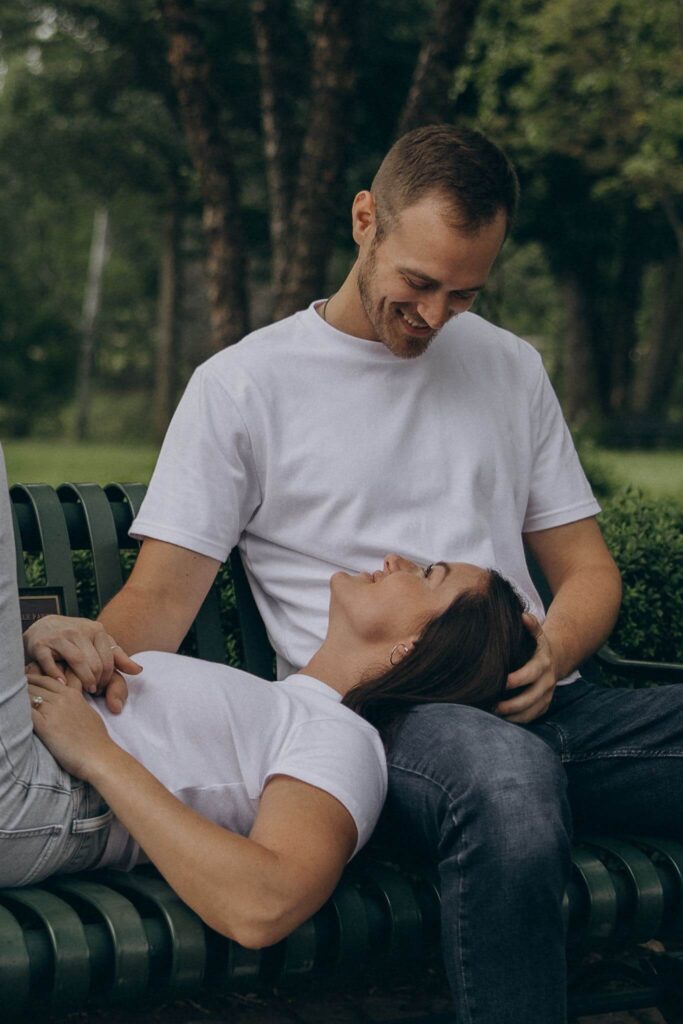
94 506
53 538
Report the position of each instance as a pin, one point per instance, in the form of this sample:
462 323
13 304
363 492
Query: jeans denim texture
51 822
494 805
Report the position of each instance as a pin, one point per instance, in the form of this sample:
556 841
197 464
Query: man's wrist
561 658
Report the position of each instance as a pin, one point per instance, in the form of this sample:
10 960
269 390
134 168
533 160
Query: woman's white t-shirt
214 736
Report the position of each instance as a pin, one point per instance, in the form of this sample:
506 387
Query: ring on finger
37 701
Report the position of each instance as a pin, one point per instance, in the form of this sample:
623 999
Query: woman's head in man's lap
467 635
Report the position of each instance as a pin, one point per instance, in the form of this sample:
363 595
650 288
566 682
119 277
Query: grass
54 462
658 473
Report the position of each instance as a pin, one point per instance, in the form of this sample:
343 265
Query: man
389 418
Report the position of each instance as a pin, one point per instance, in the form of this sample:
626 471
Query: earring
393 652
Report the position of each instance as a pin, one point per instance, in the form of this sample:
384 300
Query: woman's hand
71 730
83 645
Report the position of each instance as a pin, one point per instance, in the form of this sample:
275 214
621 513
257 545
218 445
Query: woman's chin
342 577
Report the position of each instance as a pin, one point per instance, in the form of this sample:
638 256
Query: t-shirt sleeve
559 492
205 485
343 758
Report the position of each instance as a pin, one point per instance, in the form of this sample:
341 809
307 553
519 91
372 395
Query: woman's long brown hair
463 656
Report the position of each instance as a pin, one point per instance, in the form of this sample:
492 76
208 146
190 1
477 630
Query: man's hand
86 648
538 675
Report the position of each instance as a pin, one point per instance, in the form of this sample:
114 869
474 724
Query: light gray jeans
49 821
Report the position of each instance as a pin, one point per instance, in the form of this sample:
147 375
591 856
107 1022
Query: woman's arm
254 890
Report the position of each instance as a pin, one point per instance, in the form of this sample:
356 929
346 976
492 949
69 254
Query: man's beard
381 320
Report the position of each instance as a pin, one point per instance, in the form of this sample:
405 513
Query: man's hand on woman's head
538 677
86 648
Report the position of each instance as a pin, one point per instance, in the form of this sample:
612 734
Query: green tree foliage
38 339
85 121
589 99
586 97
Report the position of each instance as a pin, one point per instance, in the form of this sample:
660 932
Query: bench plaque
35 602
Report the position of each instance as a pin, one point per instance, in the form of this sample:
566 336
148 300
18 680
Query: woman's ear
401 650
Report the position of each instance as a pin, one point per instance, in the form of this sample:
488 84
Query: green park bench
111 938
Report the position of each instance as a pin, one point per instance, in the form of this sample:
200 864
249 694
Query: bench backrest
51 526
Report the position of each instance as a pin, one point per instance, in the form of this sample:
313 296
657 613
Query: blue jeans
494 804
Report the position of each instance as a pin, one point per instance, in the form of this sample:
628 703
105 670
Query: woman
248 796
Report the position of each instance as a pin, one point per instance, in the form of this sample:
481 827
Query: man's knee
458 774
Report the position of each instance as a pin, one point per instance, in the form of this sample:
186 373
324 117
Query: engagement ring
36 701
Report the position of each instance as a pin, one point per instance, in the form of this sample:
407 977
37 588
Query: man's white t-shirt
214 736
319 451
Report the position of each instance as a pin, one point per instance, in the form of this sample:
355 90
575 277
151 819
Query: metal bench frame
122 939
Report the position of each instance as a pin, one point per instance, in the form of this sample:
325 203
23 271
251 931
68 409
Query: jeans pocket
24 853
81 826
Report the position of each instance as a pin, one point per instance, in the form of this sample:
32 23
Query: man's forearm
161 598
582 615
138 624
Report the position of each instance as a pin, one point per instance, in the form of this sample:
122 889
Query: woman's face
394 602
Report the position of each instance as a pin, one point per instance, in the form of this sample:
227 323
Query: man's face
421 274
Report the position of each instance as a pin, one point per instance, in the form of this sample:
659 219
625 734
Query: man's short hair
471 174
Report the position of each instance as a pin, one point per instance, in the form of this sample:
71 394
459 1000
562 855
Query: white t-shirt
215 735
318 451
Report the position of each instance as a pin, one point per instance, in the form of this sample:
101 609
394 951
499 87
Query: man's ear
363 220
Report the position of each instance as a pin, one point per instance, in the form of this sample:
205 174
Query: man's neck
344 310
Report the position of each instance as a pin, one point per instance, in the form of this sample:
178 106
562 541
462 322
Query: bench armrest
654 671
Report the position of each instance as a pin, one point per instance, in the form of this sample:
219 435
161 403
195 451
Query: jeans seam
562 736
622 752
27 784
466 987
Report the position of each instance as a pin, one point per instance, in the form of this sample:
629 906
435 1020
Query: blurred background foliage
174 173
223 144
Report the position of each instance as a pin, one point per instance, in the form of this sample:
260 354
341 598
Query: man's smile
412 324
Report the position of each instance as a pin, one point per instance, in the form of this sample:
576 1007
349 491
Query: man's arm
157 605
153 611
586 588
159 601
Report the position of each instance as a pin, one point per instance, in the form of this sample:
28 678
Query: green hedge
645 537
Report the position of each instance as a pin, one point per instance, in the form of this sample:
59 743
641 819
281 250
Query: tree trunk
168 320
271 20
428 100
212 159
621 331
578 371
659 373
323 154
91 308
